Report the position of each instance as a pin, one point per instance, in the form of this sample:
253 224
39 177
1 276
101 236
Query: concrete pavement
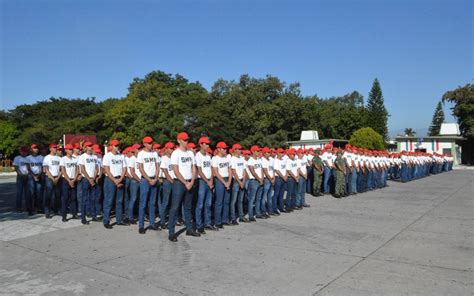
407 239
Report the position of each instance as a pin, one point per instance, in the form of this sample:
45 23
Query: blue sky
418 49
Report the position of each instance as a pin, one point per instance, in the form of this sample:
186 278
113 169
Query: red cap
231 150
254 148
114 142
95 146
68 147
169 145
53 146
147 140
77 146
96 149
299 151
236 146
156 146
246 152
33 146
87 144
291 151
280 150
221 145
266 150
191 145
136 146
209 150
204 140
183 136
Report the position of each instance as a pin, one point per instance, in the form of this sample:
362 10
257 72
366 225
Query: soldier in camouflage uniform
340 171
317 174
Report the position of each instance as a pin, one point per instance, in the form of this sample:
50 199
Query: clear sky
418 49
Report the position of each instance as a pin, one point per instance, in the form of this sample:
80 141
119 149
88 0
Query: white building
310 139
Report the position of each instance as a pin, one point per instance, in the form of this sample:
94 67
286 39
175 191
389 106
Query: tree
463 99
409 132
438 119
8 137
367 138
377 115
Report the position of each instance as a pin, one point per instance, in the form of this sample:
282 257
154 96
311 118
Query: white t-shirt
280 165
52 163
70 166
268 164
21 162
115 162
166 165
222 164
302 164
238 164
257 166
292 165
89 162
204 162
185 161
149 161
130 163
36 163
99 161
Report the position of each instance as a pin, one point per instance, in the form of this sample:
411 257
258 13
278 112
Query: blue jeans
300 196
267 197
278 194
203 205
237 197
255 190
22 190
98 196
221 207
147 192
353 186
34 191
309 181
126 196
180 193
111 192
134 185
51 195
68 198
87 193
327 176
164 200
291 194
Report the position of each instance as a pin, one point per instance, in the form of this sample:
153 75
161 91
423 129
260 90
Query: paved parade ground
406 239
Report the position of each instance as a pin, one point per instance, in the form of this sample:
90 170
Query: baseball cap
221 145
114 142
183 136
33 146
204 140
136 146
68 147
53 145
280 150
254 148
191 145
77 146
236 146
147 140
266 150
87 144
156 146
169 145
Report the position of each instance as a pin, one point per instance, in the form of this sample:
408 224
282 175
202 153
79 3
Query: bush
367 138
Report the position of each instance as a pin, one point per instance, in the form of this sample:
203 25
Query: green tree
367 138
409 132
377 115
438 119
463 100
8 137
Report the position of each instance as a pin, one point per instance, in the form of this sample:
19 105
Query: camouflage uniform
317 176
340 178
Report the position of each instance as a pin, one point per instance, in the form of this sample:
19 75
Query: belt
187 180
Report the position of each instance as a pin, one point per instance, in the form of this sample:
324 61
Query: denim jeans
353 187
51 195
34 191
134 185
221 207
126 196
98 196
267 197
68 198
291 194
309 181
278 194
254 197
87 193
180 193
203 205
22 191
111 193
301 190
237 197
327 176
147 193
164 200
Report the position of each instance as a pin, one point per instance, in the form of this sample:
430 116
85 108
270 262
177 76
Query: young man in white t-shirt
89 170
206 184
255 184
293 179
239 177
268 183
20 164
167 178
281 176
149 166
184 168
35 171
222 179
69 173
114 170
51 170
302 171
